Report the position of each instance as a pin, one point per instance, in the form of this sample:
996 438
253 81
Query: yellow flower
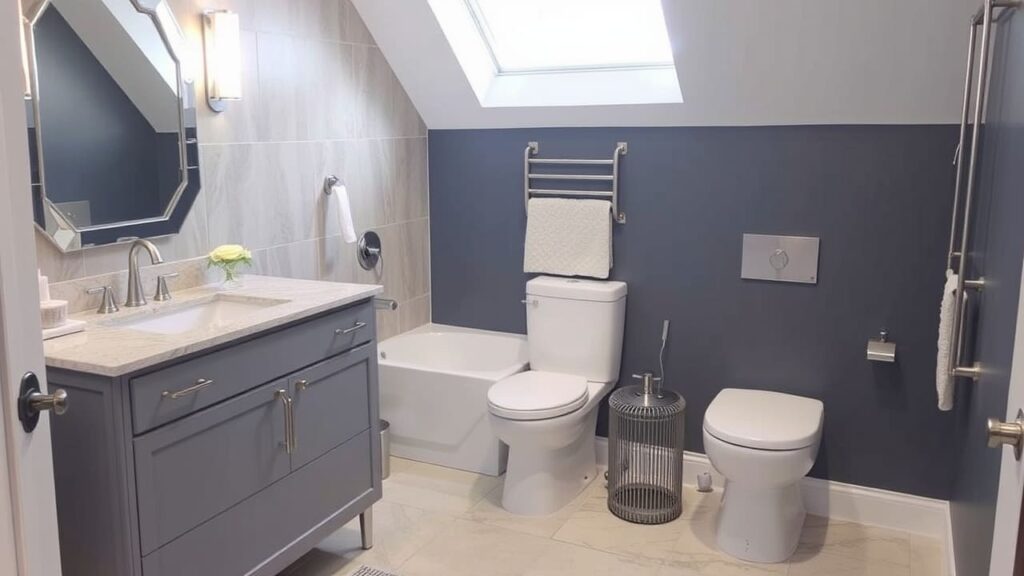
229 253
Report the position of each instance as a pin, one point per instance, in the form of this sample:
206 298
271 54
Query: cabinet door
332 402
190 471
264 533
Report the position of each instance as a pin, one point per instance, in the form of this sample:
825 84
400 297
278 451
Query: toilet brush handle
647 379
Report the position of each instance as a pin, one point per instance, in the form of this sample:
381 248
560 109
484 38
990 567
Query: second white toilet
763 443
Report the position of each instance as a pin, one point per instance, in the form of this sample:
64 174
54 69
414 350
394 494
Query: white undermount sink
219 312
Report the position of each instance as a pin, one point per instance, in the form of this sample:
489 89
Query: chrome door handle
199 385
1006 434
289 420
345 331
32 401
58 402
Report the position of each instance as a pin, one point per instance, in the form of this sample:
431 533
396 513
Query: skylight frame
487 37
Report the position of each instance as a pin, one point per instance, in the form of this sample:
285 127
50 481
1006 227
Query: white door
1011 472
28 512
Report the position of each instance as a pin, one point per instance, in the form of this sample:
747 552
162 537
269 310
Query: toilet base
759 523
540 481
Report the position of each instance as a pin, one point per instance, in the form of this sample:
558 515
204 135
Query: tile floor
436 521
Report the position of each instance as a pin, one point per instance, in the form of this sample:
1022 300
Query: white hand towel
569 237
943 380
344 213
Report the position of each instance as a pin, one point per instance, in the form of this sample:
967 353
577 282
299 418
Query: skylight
560 35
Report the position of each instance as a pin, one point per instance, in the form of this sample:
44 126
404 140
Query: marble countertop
106 349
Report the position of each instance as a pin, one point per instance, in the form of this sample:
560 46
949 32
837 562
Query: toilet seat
764 420
537 395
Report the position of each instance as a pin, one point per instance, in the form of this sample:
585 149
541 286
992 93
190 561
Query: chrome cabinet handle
199 385
289 420
345 331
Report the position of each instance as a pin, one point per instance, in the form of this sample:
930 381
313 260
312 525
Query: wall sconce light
25 69
223 47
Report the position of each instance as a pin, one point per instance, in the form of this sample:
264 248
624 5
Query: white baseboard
874 506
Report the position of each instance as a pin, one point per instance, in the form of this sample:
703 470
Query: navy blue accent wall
880 199
996 251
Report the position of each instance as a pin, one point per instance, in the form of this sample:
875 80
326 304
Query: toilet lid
535 395
765 420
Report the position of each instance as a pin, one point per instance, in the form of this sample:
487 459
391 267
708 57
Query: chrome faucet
135 295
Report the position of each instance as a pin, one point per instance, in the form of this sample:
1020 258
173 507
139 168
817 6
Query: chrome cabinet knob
58 402
1006 434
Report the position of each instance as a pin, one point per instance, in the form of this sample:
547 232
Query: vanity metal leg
366 528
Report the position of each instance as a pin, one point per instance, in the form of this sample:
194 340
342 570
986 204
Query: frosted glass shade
223 47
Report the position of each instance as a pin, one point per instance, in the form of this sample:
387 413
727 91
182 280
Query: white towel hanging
943 379
569 237
344 211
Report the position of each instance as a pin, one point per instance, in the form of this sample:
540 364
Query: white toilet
763 443
548 415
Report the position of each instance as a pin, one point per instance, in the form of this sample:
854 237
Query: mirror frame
59 230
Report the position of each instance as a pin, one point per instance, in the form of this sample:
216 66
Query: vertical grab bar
531 149
958 158
620 149
984 17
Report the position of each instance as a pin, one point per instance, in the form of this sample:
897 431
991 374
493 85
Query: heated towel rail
529 161
983 18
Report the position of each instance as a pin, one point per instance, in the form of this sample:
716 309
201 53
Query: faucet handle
107 303
162 293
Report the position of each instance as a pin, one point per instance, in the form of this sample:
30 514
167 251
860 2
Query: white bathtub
433 391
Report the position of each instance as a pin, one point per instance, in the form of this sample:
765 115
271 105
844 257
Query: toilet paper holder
880 349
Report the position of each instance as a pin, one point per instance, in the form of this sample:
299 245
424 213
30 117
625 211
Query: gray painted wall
879 197
997 248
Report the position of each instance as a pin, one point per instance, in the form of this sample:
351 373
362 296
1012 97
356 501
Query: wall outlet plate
780 258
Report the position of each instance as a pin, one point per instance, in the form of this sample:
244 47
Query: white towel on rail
568 237
943 380
344 212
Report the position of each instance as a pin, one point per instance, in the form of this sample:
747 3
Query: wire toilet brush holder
645 452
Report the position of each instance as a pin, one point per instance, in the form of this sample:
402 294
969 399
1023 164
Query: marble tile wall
319 99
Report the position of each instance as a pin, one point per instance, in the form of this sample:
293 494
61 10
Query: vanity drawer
177 391
191 470
255 530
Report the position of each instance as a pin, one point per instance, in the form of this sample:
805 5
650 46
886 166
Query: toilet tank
575 326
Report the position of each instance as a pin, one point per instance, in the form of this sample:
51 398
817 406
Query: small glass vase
233 279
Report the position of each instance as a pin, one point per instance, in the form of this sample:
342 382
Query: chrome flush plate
780 258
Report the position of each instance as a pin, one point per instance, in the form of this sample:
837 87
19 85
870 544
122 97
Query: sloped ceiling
739 62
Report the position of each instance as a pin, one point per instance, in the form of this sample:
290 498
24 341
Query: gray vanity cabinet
242 476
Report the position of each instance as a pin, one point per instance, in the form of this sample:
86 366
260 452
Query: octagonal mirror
111 120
